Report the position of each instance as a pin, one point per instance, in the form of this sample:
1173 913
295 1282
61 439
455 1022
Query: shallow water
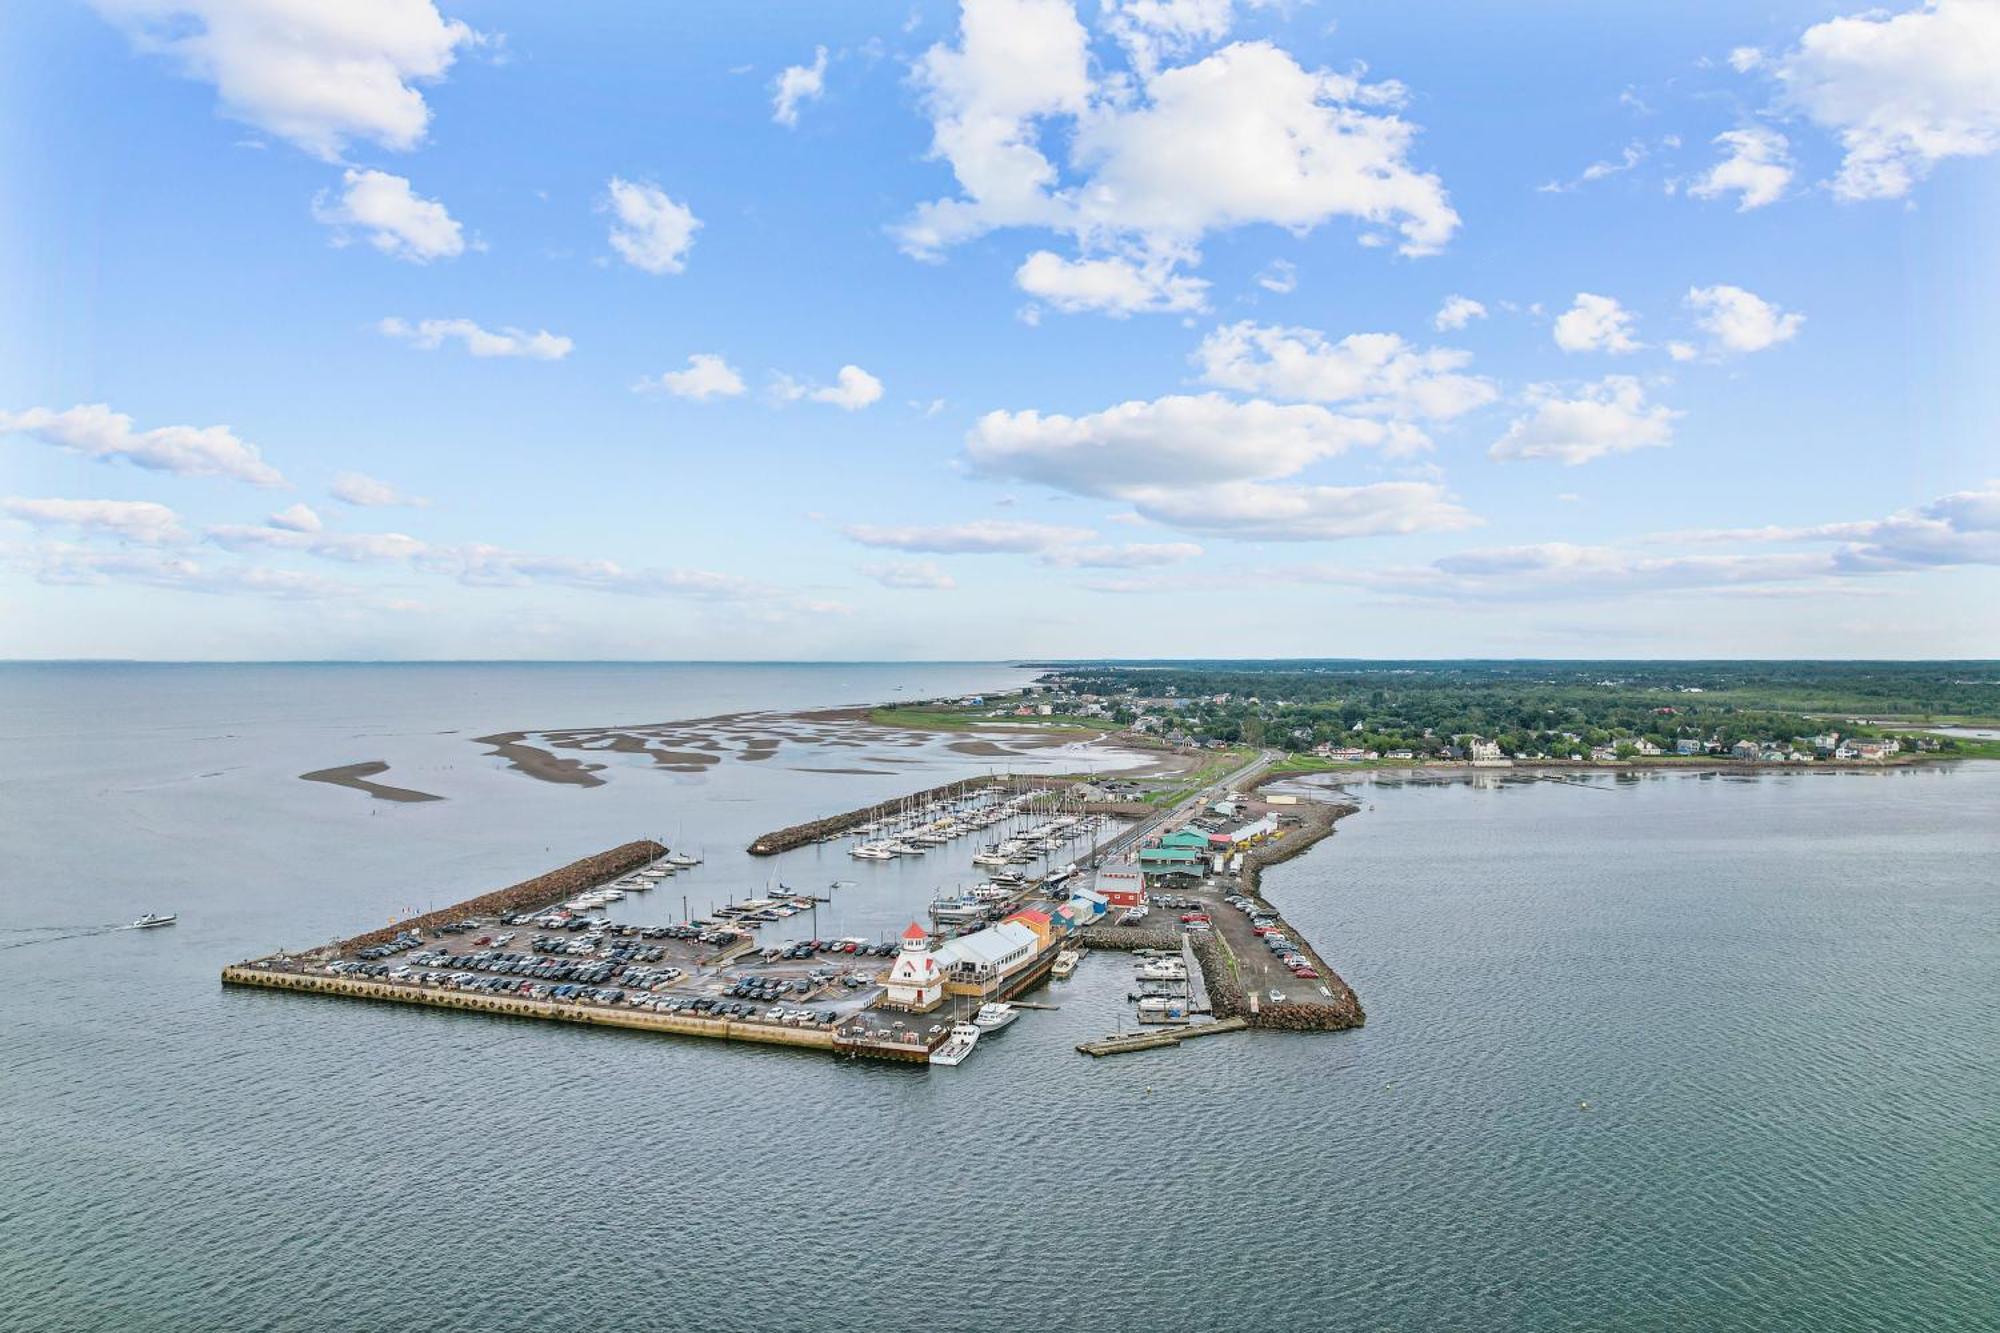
1778 996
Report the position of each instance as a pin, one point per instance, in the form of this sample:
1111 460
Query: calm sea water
1778 996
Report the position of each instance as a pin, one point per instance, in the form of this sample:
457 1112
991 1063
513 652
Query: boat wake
56 934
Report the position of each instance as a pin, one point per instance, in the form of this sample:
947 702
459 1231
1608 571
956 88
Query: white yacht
992 1017
964 1036
152 919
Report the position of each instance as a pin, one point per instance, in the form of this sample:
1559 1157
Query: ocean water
1676 1052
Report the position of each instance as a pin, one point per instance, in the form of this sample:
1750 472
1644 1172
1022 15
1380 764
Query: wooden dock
1147 1041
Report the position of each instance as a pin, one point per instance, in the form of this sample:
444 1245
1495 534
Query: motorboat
683 860
1066 962
152 919
992 1017
964 1036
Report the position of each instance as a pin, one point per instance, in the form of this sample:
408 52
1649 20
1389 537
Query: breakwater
269 975
543 889
1129 937
815 830
1342 1009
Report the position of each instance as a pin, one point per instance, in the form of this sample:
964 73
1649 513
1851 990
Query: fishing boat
964 1036
683 860
152 919
957 911
993 1017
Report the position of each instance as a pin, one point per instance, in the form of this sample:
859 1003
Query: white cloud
1596 324
796 84
296 518
367 492
1632 156
95 431
1157 157
1135 555
1377 374
1176 441
1611 416
1954 530
986 536
1757 166
1681 351
1902 92
74 566
430 334
1114 286
650 231
397 221
316 74
853 389
354 548
1456 312
1741 321
707 376
1151 30
1280 276
139 521
1199 462
1250 512
1743 59
912 575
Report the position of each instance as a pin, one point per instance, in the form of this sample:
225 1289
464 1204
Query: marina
578 945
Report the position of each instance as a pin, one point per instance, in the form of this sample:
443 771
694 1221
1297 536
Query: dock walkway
1148 1041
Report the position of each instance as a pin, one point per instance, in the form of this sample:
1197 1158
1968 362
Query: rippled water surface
1778 997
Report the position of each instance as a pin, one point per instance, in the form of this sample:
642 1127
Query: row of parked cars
807 948
589 971
1269 929
404 939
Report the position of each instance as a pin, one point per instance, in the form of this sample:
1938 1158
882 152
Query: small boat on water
1066 962
964 1036
152 919
683 860
992 1017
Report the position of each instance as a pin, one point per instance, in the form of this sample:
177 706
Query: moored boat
993 1017
964 1036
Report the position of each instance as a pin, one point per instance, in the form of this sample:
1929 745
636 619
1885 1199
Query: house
1746 750
1645 747
1687 745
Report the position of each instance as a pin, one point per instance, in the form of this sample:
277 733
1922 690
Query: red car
1189 918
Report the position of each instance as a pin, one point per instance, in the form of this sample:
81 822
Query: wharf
1151 1041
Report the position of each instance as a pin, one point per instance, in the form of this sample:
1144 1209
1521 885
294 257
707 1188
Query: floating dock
1152 1041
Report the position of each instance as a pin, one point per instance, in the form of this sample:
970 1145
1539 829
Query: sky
1004 329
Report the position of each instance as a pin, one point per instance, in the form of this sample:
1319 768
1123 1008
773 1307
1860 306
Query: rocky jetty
573 878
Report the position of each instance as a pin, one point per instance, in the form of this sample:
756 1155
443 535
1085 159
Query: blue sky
1024 329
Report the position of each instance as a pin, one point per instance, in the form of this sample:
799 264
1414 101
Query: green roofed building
1171 861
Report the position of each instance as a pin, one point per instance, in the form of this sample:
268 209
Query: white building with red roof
916 981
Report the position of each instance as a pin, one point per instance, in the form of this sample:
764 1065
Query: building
1122 885
1157 862
1686 745
1746 750
978 963
1036 920
916 981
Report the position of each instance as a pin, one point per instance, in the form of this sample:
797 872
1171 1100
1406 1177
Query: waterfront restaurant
975 964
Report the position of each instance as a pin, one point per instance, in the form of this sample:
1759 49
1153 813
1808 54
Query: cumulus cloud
317 75
296 518
1157 157
1756 166
649 230
853 389
707 376
431 334
138 521
911 575
984 536
394 218
1902 92
1596 324
1114 286
1376 374
95 431
366 492
1741 321
1456 312
1204 463
1611 416
796 84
